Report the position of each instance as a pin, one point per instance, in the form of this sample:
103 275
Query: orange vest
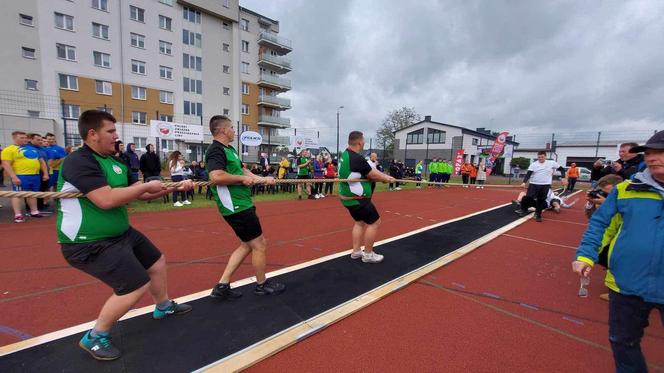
573 172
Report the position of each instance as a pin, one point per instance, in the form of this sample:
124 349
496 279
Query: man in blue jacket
635 274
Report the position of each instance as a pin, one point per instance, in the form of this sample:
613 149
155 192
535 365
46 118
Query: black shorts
365 212
303 177
245 224
120 262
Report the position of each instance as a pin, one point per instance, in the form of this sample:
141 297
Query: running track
510 305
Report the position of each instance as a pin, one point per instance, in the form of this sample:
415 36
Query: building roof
464 130
242 9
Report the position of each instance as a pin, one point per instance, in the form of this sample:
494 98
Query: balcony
274 41
276 140
270 121
279 64
274 102
274 82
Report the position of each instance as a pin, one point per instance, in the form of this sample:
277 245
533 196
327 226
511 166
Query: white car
584 173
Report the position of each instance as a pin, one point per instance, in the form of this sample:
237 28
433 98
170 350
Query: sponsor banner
496 150
458 162
304 141
176 131
251 138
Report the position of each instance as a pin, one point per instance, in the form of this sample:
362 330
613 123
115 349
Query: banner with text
176 131
496 150
458 162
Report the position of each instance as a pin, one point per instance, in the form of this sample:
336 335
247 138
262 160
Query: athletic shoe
391 189
322 195
186 202
477 187
224 291
299 197
19 219
418 187
397 188
173 309
372 257
36 215
311 196
100 347
178 204
269 288
538 218
356 254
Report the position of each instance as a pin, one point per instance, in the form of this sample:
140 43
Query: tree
522 162
395 120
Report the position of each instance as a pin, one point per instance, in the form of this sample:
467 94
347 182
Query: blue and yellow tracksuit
631 220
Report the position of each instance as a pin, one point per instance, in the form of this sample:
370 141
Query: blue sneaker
100 347
173 309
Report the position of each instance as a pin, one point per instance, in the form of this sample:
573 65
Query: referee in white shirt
540 174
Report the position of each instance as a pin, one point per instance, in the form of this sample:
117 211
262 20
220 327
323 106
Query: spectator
572 176
418 173
481 174
628 163
264 162
434 170
373 162
394 172
284 165
330 173
2 175
596 173
150 164
176 168
69 149
465 173
120 153
303 167
598 195
517 171
319 173
134 163
36 142
634 277
23 166
473 173
56 155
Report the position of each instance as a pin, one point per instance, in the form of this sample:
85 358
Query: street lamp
339 108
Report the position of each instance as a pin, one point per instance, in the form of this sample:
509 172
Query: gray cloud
524 66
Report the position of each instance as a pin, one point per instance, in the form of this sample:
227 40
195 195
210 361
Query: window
25 19
165 23
141 142
192 15
138 67
68 82
101 59
227 112
165 97
167 2
227 91
136 14
435 136
168 145
28 52
226 25
245 67
103 87
33 113
193 108
100 31
100 4
245 88
106 109
191 38
226 47
193 85
415 137
138 93
139 117
137 40
66 52
245 109
165 117
225 3
165 72
31 84
244 24
245 46
165 48
226 69
475 141
71 111
192 62
63 21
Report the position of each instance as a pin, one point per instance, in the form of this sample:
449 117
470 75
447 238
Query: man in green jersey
232 192
95 234
356 197
304 172
418 173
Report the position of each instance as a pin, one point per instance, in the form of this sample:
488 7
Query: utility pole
339 108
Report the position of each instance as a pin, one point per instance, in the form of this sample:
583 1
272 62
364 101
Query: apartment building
177 61
263 62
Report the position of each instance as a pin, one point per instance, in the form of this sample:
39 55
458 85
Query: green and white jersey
353 166
230 199
80 220
302 171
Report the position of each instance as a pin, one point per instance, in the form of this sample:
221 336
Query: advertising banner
176 131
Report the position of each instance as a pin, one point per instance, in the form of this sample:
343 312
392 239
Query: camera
597 193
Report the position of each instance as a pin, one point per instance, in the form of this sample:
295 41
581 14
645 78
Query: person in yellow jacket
283 168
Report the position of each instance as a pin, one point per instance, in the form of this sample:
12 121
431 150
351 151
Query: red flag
496 149
458 161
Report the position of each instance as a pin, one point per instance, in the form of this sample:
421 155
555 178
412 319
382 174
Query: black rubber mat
216 329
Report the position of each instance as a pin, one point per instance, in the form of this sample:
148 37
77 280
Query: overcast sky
522 66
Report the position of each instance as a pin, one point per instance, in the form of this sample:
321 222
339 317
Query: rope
20 194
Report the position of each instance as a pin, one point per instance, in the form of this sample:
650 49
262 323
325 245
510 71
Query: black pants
571 182
628 317
465 178
538 193
329 187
